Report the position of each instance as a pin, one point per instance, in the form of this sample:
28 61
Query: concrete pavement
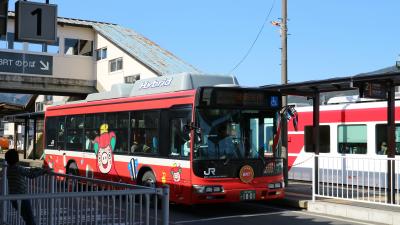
299 195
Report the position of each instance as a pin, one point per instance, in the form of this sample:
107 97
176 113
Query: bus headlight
200 189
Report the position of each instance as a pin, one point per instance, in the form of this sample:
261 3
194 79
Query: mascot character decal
104 146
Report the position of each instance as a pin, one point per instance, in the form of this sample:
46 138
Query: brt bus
204 136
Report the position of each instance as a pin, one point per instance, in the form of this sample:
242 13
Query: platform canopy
309 88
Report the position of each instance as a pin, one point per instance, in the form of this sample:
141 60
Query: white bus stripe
124 158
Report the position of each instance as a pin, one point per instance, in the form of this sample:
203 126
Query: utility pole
284 80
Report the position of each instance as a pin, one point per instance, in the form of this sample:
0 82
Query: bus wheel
148 179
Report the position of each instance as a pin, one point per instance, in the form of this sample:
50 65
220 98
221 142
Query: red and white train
349 126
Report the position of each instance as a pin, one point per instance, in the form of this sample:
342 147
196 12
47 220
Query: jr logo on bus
210 171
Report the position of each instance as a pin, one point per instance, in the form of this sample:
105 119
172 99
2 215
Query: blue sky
327 38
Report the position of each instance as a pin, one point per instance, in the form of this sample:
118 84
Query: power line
255 40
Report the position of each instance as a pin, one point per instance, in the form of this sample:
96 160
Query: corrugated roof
147 52
139 47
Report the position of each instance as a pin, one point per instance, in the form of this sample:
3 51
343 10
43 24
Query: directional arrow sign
45 66
11 62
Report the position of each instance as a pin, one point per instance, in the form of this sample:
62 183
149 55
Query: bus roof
164 84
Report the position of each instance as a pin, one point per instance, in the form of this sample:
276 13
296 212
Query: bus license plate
247 195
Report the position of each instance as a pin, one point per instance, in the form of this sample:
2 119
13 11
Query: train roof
163 84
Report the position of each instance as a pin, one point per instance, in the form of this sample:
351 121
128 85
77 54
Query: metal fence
66 199
359 179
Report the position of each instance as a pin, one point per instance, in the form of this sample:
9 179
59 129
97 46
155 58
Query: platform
299 195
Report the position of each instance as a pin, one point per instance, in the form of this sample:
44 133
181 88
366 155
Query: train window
144 132
352 139
119 124
381 139
324 139
51 132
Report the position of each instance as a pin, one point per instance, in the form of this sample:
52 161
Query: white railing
359 179
66 199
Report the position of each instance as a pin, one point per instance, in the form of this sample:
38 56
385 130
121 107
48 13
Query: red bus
203 135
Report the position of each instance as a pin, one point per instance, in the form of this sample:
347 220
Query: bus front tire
148 179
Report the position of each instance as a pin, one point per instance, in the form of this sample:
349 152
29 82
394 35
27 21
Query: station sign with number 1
35 22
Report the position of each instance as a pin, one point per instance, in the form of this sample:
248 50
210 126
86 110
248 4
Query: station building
88 57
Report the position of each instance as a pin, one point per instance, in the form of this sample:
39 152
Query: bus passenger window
51 132
61 134
92 130
144 131
119 124
75 126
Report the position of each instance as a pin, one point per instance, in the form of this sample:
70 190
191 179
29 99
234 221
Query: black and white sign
11 62
35 22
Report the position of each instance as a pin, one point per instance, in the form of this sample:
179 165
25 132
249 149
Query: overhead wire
255 40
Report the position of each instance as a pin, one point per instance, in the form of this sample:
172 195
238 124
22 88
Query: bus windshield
234 134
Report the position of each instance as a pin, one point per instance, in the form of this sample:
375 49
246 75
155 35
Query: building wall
105 78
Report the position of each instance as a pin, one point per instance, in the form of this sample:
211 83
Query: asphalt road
252 213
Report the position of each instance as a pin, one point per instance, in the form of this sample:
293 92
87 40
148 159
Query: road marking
228 217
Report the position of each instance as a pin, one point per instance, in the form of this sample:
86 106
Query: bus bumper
238 195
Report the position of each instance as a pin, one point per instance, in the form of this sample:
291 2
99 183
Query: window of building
352 139
54 48
324 139
71 46
39 106
78 47
115 64
132 79
101 53
35 47
48 98
75 127
381 139
119 124
85 47
144 132
7 42
3 42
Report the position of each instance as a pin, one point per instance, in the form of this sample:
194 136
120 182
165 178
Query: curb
293 203
355 212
